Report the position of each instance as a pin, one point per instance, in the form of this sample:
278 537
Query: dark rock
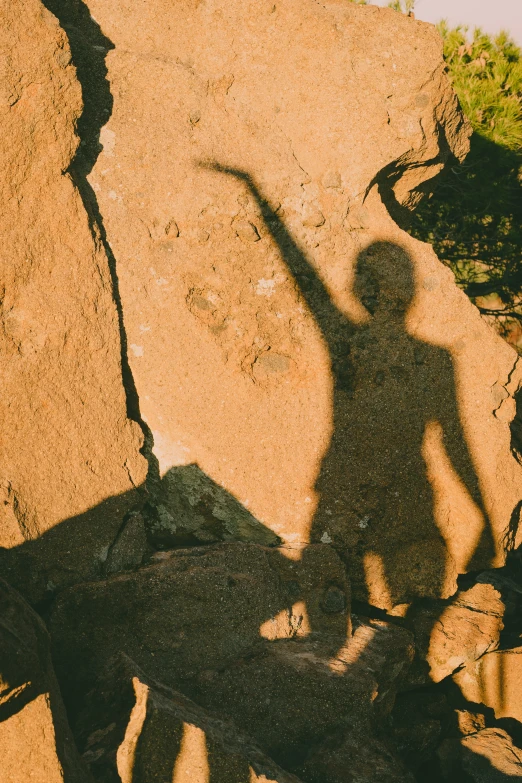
35 739
195 609
189 508
136 730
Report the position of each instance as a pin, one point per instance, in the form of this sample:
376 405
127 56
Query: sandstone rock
67 443
357 758
470 722
136 730
450 635
35 740
371 429
488 756
223 255
495 680
417 723
300 685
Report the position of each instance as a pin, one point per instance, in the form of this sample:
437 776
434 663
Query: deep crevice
89 48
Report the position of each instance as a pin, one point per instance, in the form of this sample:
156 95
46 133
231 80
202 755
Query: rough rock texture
139 731
452 633
488 756
35 740
190 508
252 635
348 694
495 681
198 609
339 393
418 719
203 263
67 444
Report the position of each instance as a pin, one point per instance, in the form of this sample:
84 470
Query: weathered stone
359 758
372 427
35 740
256 636
303 683
488 756
246 230
142 731
67 443
470 722
308 371
196 609
451 634
190 508
495 680
416 725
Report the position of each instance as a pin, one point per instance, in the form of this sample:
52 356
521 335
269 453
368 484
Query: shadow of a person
391 394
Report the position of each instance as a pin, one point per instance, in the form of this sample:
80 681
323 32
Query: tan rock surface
211 241
495 681
35 741
67 444
489 756
338 395
461 631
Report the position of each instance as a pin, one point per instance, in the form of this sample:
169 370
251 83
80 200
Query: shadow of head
384 280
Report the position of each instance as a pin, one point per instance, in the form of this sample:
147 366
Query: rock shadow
214 589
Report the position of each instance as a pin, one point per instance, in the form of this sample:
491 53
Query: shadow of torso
376 503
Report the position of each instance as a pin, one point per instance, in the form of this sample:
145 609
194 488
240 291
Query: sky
491 15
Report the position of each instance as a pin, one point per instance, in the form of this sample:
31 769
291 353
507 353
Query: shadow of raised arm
311 286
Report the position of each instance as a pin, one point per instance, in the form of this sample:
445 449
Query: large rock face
285 335
203 267
67 444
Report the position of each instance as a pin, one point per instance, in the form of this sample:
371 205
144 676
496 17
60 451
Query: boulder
70 456
285 335
250 634
136 730
316 713
488 756
35 740
358 758
197 609
495 680
189 508
417 722
129 548
451 634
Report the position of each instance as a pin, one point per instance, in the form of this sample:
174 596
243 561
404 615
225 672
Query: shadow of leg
225 767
